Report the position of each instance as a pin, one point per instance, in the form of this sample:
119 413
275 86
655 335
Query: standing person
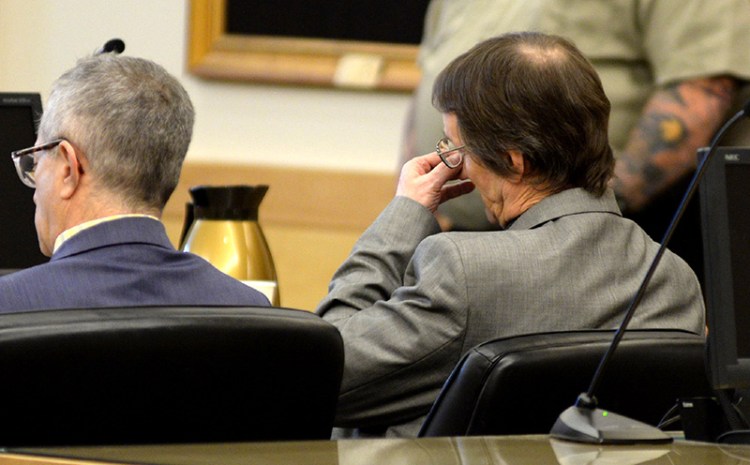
525 121
671 68
108 157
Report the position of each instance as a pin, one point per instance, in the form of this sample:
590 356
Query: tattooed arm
676 121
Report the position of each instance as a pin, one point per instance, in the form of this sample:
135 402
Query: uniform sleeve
696 38
431 28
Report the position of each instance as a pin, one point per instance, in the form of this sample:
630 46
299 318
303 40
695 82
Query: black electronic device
584 421
725 220
19 247
725 212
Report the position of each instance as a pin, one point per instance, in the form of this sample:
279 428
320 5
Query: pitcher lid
238 202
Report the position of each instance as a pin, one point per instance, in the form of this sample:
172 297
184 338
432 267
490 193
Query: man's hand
423 179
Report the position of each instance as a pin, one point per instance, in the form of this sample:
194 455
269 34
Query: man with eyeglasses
525 121
674 71
108 157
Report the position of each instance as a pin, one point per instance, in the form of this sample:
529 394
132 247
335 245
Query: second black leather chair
519 385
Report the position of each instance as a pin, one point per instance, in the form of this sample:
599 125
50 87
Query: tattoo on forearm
673 92
677 120
723 89
663 131
653 175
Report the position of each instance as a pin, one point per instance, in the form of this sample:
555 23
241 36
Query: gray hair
132 120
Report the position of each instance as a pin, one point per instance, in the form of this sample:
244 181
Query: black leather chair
167 375
519 385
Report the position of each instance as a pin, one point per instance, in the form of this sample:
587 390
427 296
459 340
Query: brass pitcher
221 225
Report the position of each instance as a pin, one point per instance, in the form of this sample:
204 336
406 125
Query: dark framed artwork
365 44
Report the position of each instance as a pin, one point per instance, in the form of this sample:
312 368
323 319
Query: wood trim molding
215 54
296 197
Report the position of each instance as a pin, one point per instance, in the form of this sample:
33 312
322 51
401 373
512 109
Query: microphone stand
584 422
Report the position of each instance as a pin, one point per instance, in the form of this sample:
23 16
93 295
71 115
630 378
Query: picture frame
213 53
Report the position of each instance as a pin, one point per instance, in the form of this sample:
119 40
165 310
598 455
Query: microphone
114 45
584 422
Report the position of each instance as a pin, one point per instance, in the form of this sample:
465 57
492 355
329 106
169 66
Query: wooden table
508 450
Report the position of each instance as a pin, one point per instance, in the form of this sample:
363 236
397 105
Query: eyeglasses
451 155
27 159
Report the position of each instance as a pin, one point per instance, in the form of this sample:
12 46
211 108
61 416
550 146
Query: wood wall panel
311 218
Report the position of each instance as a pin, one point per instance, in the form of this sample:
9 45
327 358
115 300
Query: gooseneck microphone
114 45
584 422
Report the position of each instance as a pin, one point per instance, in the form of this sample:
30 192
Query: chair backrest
519 385
167 375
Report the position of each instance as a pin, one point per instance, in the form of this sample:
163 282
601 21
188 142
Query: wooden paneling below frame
311 218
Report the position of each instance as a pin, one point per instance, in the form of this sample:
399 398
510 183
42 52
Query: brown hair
537 94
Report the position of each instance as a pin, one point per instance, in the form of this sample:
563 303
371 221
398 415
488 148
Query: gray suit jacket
409 302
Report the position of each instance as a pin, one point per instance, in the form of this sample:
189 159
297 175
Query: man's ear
519 165
72 169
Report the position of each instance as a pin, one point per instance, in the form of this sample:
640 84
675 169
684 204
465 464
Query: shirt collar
68 233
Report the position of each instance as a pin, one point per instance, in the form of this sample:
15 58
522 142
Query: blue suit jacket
122 263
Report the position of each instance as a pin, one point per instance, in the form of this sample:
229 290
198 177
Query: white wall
236 122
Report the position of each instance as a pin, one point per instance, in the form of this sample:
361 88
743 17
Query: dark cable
588 398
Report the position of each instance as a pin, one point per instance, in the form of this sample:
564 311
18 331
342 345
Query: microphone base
597 426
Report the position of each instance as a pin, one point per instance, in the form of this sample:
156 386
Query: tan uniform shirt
635 46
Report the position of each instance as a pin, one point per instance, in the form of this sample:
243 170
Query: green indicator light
605 413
